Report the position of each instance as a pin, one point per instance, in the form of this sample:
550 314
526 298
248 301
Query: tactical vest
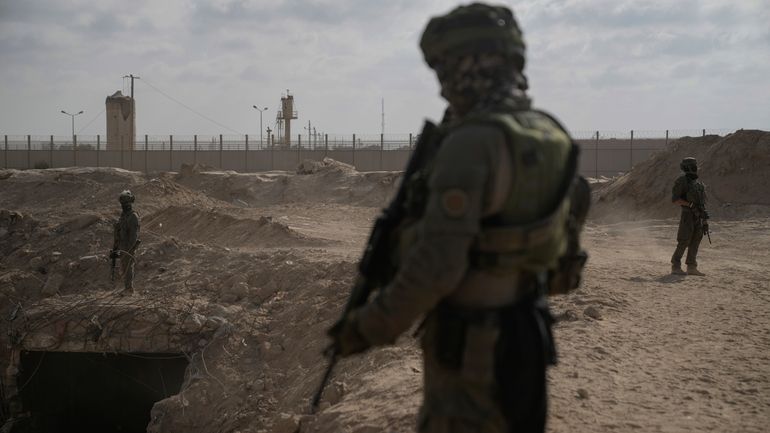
122 230
696 192
529 233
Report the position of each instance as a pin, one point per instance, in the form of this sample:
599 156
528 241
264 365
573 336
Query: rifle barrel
324 381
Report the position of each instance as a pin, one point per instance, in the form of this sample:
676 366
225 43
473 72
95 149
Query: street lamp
72 116
260 123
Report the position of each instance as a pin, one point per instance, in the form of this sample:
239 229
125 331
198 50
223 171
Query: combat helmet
126 197
476 28
689 165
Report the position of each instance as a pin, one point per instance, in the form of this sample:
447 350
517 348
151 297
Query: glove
346 338
705 214
114 254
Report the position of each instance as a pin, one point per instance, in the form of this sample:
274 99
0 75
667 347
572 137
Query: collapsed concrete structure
121 122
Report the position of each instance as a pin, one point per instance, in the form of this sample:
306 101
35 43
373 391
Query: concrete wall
605 157
609 157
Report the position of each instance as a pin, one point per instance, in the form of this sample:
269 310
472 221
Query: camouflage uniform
126 235
487 224
689 189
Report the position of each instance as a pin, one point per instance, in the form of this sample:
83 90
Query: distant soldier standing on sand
126 236
490 226
690 194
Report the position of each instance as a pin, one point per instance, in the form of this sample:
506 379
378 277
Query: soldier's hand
705 214
346 338
114 254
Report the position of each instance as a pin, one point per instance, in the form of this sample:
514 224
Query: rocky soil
274 255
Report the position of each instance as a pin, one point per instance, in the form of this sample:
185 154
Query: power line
188 108
92 121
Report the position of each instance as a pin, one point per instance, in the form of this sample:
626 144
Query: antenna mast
383 116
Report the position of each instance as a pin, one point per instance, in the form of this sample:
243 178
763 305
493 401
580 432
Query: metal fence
604 153
215 142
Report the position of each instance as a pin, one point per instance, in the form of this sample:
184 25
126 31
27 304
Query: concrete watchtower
286 114
121 122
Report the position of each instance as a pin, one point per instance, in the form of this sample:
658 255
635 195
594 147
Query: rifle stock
375 268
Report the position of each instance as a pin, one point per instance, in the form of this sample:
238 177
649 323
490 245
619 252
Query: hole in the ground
95 392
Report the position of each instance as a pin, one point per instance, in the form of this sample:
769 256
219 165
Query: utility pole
383 116
131 138
132 77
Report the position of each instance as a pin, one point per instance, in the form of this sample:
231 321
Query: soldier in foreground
126 235
690 194
487 221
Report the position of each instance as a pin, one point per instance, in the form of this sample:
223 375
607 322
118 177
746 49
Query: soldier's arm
133 229
679 190
436 264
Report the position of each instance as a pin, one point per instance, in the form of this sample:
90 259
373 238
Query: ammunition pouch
505 247
569 271
568 275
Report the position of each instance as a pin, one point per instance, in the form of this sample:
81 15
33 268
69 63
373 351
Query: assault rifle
114 257
375 269
704 220
114 250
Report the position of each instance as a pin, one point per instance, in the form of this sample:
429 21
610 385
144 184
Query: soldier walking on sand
489 228
690 194
126 235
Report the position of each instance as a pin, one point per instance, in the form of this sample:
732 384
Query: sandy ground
670 353
274 256
660 353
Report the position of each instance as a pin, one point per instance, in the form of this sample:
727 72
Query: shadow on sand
671 278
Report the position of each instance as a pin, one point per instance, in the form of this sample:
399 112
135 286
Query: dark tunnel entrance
95 392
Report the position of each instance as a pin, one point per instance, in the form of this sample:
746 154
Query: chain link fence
603 153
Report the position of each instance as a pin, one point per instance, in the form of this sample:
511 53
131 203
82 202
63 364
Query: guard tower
286 115
121 122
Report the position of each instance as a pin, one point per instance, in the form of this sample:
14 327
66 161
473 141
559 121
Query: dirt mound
272 304
733 168
310 166
219 228
58 194
193 169
327 181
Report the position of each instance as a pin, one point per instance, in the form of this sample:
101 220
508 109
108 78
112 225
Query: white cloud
598 64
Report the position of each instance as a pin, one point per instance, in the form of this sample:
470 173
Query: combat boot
677 270
693 270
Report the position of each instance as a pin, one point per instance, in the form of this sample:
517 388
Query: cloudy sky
597 64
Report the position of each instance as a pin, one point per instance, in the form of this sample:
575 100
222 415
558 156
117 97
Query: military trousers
486 374
127 263
688 237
